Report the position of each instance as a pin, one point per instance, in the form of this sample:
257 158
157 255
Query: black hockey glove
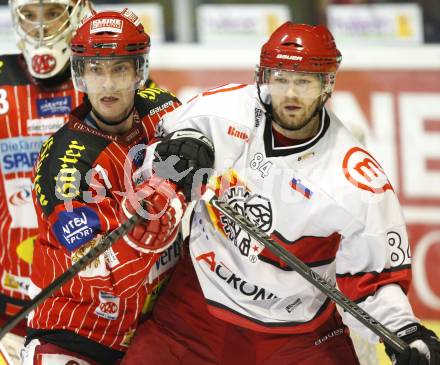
180 155
423 344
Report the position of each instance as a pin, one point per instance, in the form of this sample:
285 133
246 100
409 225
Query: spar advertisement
396 111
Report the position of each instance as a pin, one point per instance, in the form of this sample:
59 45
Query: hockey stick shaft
89 257
307 273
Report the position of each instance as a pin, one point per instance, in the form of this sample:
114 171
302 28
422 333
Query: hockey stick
91 255
307 273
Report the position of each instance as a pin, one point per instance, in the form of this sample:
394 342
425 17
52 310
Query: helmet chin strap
268 107
112 123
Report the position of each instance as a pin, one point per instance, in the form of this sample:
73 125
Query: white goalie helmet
44 29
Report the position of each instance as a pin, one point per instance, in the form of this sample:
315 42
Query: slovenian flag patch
295 184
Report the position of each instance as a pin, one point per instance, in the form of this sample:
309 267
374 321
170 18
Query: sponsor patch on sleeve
77 227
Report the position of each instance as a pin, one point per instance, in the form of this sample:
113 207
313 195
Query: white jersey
327 201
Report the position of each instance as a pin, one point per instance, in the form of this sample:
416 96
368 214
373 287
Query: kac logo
108 307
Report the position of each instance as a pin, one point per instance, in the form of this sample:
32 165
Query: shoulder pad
149 98
150 83
60 172
11 71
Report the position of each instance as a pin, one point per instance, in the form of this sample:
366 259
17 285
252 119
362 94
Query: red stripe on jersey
310 250
219 90
236 319
356 287
209 92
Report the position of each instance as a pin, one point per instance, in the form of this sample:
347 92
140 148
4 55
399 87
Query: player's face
43 20
110 87
294 97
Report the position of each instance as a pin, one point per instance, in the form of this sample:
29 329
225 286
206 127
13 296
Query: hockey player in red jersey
83 189
288 164
36 95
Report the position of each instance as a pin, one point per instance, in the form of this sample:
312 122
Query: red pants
19 329
183 332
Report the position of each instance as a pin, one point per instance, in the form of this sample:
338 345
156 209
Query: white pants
10 347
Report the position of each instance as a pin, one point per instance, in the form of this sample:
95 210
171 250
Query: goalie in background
290 166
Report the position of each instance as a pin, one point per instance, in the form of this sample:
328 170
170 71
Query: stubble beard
295 127
309 116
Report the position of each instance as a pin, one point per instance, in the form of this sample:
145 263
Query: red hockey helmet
301 47
107 36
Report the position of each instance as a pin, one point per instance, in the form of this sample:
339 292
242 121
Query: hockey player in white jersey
287 164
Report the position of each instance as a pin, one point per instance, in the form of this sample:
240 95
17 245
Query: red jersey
80 179
28 114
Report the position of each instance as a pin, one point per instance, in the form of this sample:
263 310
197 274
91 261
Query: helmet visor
108 74
306 85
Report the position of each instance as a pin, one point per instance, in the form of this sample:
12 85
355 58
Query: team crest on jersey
108 307
256 208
